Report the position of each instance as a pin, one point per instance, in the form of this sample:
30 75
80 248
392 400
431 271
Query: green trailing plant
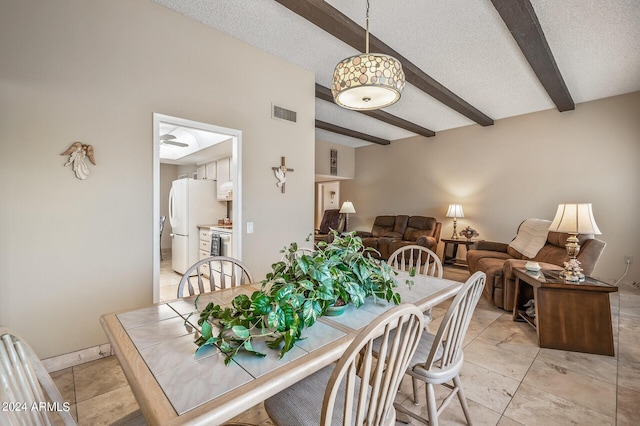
355 273
296 292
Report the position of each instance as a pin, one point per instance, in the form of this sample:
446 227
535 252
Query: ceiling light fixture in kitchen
368 81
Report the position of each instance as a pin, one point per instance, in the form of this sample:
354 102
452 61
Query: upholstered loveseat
498 260
389 233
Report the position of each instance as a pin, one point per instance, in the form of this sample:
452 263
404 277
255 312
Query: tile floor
507 378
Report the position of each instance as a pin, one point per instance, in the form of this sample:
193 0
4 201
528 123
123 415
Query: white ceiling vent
283 113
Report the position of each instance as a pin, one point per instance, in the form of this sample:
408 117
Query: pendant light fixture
368 81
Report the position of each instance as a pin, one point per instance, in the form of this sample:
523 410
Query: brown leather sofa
389 233
498 260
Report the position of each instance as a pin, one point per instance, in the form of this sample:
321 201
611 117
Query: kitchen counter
216 226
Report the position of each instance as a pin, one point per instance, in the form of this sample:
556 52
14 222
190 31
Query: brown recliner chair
331 221
498 260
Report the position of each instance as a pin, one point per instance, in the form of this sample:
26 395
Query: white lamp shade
575 218
347 207
455 210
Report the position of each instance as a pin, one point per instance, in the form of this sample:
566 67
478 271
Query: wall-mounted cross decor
281 173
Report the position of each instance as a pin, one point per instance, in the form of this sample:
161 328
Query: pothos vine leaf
296 292
312 309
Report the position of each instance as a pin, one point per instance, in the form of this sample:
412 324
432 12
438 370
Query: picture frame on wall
333 162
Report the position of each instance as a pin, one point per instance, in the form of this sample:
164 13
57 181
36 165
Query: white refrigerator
192 202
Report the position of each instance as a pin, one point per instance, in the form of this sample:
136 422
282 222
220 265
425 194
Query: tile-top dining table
155 347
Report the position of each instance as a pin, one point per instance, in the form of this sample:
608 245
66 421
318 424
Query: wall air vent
283 113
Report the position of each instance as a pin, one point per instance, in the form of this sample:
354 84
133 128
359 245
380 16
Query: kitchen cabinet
223 175
210 170
201 172
207 171
205 248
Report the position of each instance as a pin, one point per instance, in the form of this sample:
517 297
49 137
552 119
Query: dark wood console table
568 316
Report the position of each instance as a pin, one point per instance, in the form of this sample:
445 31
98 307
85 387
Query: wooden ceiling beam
522 22
325 94
340 26
348 132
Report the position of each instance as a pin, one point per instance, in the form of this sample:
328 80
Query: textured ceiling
463 44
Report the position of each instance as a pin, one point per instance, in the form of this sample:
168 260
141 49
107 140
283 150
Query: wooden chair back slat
425 261
224 272
400 330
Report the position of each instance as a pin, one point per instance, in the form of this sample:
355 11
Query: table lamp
347 207
574 219
455 211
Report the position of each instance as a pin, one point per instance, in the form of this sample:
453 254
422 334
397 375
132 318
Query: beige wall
346 159
519 168
96 71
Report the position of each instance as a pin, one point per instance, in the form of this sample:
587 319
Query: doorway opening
189 144
327 198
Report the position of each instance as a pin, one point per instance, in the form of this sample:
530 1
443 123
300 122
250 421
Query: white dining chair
439 357
358 390
425 261
222 271
25 382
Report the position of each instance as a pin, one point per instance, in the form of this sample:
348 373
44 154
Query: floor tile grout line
521 382
565 399
75 393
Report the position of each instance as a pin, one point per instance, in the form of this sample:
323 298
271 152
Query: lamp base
572 271
572 277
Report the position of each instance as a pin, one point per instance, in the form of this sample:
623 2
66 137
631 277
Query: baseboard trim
72 359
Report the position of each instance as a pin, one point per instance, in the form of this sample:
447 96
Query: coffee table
568 316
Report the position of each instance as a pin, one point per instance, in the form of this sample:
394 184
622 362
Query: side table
568 316
446 260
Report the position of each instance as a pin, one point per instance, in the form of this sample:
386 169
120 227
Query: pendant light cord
367 35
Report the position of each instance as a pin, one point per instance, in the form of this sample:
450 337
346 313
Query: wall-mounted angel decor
76 152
